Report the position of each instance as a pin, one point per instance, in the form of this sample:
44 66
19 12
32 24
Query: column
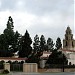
7 66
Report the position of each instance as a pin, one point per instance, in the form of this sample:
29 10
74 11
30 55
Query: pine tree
3 46
58 43
16 44
50 44
9 37
36 44
42 43
26 48
9 40
9 33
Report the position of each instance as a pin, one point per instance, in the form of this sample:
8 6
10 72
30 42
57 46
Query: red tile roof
47 52
10 58
68 50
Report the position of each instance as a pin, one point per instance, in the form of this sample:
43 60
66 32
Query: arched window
72 44
71 37
69 32
66 37
66 43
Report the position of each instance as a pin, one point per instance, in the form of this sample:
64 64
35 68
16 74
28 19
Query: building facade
69 42
69 46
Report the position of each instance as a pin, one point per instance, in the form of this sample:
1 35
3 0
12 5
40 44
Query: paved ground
21 73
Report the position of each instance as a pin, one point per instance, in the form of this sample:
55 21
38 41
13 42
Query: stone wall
7 66
57 70
29 67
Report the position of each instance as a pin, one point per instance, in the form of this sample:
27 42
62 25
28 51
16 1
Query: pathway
21 73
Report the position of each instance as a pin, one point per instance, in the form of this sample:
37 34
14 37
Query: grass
3 74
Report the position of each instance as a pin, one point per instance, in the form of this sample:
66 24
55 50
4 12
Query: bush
5 71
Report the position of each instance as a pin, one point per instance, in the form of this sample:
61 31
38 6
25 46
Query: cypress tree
26 48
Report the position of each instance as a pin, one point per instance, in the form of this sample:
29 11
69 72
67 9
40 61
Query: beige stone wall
29 67
7 66
74 43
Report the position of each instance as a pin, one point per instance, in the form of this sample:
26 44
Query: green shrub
5 71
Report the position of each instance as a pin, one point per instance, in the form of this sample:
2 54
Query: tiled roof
68 50
44 57
47 52
10 58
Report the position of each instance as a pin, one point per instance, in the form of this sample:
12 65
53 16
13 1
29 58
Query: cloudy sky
47 17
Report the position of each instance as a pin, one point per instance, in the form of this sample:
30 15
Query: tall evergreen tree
9 40
50 44
42 43
36 44
16 44
26 48
3 46
9 33
58 43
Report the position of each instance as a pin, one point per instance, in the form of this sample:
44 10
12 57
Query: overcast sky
47 17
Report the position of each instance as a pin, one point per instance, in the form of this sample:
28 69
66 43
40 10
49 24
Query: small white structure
44 58
7 66
45 54
42 63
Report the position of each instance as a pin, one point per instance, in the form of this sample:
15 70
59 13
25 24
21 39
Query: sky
43 17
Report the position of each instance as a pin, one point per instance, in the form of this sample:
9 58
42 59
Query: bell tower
68 42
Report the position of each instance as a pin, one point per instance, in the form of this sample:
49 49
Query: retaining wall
57 70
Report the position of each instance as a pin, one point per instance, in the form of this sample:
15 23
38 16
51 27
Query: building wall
69 46
30 67
42 63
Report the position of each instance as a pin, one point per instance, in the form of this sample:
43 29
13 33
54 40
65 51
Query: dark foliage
58 43
5 71
42 43
57 58
26 48
36 44
50 45
9 40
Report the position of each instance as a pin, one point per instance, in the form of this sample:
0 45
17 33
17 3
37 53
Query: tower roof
68 30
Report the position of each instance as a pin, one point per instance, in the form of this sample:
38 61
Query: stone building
69 42
69 46
68 49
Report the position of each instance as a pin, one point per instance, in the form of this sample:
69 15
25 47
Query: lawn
3 74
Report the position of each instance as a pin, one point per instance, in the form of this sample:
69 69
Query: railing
16 67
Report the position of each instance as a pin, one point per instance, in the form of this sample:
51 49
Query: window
66 43
72 44
66 37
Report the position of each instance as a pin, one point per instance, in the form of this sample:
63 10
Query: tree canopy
26 48
11 42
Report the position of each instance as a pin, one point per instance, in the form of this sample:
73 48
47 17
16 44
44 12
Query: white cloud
0 3
38 17
22 20
20 5
3 20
